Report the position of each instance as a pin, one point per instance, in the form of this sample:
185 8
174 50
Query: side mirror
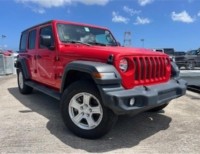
46 41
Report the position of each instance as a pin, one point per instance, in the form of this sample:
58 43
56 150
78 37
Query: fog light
132 102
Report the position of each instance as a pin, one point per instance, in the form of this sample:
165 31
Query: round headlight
123 65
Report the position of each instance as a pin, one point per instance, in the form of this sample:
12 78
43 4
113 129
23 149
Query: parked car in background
190 60
179 58
6 52
179 53
168 51
9 53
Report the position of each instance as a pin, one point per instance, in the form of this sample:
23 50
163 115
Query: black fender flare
90 68
21 63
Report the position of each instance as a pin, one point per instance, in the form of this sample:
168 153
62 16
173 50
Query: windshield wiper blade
97 43
78 42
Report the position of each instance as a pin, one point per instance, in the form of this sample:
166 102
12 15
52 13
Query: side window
46 33
194 52
23 42
31 39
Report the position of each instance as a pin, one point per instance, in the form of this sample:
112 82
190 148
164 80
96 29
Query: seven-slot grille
150 69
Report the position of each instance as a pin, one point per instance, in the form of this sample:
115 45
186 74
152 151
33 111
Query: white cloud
131 11
39 6
145 2
45 3
182 17
58 3
142 21
92 2
118 18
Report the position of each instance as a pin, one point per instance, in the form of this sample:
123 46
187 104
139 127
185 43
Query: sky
152 23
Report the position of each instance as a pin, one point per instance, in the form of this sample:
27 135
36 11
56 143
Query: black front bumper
146 97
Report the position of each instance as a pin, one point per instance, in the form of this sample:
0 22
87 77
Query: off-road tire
23 88
84 87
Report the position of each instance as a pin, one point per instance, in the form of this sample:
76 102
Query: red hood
124 50
102 52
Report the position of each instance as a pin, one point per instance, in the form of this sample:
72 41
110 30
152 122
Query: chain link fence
7 65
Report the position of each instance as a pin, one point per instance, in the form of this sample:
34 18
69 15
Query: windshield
192 52
157 50
69 33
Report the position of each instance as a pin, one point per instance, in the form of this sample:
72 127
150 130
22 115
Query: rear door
32 51
27 51
46 64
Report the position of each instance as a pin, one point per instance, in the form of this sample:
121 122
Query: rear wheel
23 88
190 65
83 112
156 109
179 66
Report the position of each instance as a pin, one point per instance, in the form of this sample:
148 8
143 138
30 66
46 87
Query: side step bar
44 89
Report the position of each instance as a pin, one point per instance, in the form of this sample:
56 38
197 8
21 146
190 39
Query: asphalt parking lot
32 124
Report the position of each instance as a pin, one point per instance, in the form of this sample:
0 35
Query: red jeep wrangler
94 78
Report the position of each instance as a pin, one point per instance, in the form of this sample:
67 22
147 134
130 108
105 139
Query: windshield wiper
78 42
97 43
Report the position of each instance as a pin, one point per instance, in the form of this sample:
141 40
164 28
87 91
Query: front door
46 64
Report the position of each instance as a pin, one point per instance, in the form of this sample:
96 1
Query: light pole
3 37
142 40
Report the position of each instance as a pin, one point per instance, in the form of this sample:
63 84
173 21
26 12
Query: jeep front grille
150 69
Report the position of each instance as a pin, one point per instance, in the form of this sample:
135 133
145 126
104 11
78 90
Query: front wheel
83 112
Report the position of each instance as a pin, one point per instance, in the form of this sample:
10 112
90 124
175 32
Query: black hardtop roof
37 25
62 21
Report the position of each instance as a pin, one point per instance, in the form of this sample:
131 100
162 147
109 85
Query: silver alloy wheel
21 80
85 111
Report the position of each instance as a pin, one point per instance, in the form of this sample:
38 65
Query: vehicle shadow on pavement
192 96
128 131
